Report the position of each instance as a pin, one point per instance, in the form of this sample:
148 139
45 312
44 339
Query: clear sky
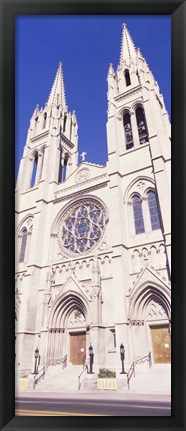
86 45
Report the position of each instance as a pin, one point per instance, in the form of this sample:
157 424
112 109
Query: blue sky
86 45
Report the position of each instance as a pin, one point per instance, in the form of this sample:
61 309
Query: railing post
150 360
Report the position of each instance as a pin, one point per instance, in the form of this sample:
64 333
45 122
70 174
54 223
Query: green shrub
105 373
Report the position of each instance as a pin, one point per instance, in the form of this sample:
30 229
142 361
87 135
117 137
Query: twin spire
127 54
57 94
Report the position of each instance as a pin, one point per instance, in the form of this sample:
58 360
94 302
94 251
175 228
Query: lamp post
122 354
91 354
37 358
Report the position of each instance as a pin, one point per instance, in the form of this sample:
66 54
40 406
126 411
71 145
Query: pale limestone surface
120 287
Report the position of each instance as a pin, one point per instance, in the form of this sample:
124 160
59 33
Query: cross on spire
82 155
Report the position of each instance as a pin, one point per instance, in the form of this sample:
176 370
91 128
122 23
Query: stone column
134 127
146 215
163 191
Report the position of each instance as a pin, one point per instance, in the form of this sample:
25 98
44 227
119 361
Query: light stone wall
105 281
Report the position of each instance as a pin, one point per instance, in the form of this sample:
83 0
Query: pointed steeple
57 94
128 50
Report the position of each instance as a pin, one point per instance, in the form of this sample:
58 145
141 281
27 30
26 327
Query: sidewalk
101 395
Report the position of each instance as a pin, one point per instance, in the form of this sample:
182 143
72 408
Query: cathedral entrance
77 348
161 344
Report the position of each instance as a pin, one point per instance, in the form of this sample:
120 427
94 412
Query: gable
85 174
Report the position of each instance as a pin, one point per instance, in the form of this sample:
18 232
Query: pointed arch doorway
67 333
149 314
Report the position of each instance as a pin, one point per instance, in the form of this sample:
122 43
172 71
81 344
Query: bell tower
138 128
50 154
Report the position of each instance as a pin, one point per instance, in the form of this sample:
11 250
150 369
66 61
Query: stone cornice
80 192
146 243
89 256
127 94
66 141
84 186
40 136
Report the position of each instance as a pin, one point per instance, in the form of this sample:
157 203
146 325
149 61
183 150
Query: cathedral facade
93 242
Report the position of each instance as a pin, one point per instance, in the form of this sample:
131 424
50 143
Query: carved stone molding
136 322
82 175
76 319
80 191
140 185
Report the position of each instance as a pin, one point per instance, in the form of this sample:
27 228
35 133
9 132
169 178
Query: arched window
44 120
64 173
34 170
128 131
127 77
23 245
141 124
137 74
153 209
138 214
62 168
64 122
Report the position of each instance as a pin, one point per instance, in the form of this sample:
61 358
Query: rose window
83 226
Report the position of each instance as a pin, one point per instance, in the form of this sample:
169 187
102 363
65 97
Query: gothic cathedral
93 242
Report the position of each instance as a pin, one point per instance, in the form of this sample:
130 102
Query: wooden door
161 344
77 348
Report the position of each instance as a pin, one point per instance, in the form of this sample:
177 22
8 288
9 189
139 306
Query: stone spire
57 94
128 50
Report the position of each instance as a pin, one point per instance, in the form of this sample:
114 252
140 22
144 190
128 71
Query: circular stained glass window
83 225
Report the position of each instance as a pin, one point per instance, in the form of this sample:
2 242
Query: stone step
146 380
59 379
154 380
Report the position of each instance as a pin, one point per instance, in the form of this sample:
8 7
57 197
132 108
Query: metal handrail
138 361
85 367
42 371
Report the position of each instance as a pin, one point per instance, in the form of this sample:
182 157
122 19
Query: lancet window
138 214
127 77
44 120
128 131
153 210
34 171
141 124
62 167
24 235
64 122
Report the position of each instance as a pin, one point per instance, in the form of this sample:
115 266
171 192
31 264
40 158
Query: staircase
156 380
58 379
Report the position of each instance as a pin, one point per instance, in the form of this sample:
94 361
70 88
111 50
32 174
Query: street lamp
122 354
37 358
91 354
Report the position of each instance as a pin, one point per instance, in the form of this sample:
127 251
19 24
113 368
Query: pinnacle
110 70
